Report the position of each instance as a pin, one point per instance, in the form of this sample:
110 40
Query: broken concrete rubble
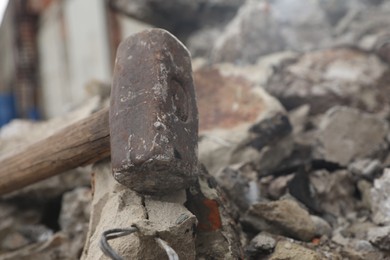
293 251
286 216
340 144
380 237
261 244
337 76
247 124
334 191
252 33
74 217
380 199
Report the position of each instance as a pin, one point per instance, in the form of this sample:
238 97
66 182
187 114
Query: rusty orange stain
213 217
316 241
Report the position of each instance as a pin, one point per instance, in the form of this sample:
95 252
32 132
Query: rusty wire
120 232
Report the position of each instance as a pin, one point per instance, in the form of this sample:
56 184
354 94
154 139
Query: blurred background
50 49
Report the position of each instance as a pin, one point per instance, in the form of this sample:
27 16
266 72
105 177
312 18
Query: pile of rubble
294 104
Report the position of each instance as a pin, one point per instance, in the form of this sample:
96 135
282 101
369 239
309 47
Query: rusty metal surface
153 114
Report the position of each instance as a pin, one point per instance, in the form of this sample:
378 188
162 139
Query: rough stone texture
322 227
57 247
278 186
340 143
262 27
288 250
261 244
74 217
380 199
239 122
286 215
380 237
250 34
334 191
155 149
365 168
240 184
200 42
364 26
154 216
336 76
304 24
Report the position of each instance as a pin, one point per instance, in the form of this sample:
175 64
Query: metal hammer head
153 114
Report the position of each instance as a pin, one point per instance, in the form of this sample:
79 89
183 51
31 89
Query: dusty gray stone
14 241
261 244
251 34
299 118
200 42
364 26
288 250
330 77
263 27
322 227
340 143
357 229
364 188
74 217
287 216
304 25
334 191
75 210
278 186
55 247
380 237
240 184
365 168
380 199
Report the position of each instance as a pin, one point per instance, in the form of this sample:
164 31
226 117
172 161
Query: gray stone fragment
380 237
334 191
380 199
263 27
75 210
251 34
346 134
286 216
278 186
261 244
249 127
335 76
74 217
288 250
365 168
240 184
322 227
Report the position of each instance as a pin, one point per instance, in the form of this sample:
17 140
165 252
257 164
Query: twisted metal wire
120 232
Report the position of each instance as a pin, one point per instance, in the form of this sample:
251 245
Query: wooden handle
81 143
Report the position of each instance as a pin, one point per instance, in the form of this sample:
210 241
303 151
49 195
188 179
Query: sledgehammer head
153 114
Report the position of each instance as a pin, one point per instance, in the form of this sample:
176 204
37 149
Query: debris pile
294 128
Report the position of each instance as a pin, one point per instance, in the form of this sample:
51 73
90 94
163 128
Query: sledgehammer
150 130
